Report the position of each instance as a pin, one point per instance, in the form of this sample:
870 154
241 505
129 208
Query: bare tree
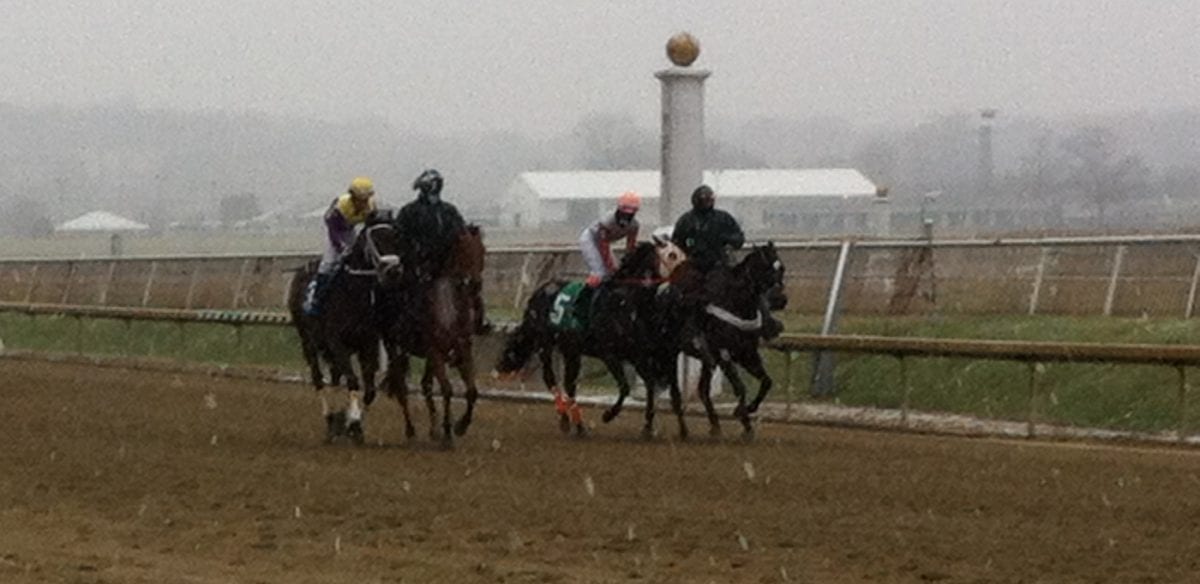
1099 173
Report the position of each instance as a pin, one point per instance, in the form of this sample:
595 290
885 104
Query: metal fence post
149 284
191 291
906 388
241 282
1191 301
521 282
823 361
1118 259
1038 277
33 281
1182 402
1031 420
790 381
103 296
66 293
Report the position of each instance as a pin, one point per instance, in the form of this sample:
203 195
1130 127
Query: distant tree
1099 173
1041 171
615 142
28 217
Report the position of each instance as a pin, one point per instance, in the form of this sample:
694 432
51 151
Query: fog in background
158 111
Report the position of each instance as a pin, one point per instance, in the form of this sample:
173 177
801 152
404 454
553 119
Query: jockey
345 212
595 241
707 235
429 226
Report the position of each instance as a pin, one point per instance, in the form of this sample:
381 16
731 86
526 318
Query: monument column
682 127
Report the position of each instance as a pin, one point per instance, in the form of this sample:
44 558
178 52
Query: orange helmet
629 202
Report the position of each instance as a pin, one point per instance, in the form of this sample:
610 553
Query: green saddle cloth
567 313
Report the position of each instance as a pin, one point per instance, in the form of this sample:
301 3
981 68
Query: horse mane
634 263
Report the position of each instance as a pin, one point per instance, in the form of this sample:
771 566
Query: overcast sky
536 66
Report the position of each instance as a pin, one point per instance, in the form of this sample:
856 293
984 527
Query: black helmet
429 183
702 197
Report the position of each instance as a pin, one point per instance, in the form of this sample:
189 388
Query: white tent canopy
101 221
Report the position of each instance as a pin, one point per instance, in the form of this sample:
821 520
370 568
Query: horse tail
533 331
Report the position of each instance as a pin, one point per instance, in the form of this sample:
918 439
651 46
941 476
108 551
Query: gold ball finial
682 49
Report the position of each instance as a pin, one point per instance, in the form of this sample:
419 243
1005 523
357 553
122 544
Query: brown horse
436 320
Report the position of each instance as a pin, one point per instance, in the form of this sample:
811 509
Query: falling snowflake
629 534
214 440
297 512
589 486
406 486
337 544
749 468
495 444
210 401
743 542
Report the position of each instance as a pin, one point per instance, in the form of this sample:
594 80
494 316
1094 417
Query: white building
811 200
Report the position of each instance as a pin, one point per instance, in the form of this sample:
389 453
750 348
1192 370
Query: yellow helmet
362 188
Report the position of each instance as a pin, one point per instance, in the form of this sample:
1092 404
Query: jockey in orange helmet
596 240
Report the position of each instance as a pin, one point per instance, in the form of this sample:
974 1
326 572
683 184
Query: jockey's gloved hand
594 280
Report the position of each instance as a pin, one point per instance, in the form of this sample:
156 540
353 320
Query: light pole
926 221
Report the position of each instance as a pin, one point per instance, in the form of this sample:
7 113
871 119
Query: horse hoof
354 431
581 431
740 411
335 425
461 426
683 434
410 432
714 431
608 416
564 424
647 434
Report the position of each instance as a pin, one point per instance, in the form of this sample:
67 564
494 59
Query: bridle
380 263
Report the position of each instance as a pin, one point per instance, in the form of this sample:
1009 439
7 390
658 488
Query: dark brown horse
349 326
435 320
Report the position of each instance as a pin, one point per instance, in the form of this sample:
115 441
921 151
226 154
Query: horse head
765 272
376 249
670 257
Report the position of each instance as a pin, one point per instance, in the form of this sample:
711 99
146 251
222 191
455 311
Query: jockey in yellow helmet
345 212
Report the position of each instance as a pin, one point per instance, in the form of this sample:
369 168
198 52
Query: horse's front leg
466 369
546 355
397 383
368 363
438 365
676 398
752 362
427 389
572 361
704 390
617 370
741 412
336 423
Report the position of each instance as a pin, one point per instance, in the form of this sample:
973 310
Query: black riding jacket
705 235
428 229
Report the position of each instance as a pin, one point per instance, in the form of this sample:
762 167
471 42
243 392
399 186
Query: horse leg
439 370
360 392
546 354
466 369
313 358
753 364
572 360
703 389
739 388
427 389
677 404
397 380
617 370
337 422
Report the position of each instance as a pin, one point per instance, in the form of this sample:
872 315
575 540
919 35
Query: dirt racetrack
110 475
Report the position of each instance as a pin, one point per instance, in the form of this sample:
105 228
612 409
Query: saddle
572 307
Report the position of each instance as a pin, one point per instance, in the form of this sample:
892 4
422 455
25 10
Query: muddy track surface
109 475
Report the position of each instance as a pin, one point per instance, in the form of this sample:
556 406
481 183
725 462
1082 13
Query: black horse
349 325
725 329
615 327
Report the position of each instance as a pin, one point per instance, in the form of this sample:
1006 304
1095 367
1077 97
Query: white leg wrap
354 411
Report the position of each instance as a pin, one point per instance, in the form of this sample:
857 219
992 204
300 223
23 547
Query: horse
436 320
619 329
348 326
727 330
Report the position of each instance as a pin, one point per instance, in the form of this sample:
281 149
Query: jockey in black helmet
428 228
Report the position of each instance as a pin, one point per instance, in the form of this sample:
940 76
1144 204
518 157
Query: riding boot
316 293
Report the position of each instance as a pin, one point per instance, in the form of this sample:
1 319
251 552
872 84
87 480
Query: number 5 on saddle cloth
573 307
